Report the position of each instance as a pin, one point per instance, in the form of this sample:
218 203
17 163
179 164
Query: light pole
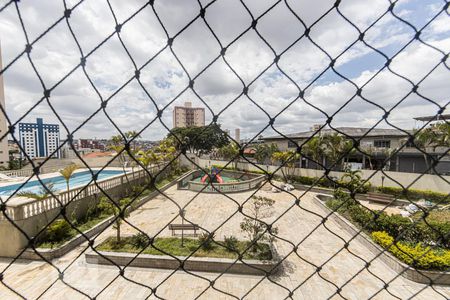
382 181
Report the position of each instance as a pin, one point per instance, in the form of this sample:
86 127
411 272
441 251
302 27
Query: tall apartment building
187 116
237 135
4 154
39 139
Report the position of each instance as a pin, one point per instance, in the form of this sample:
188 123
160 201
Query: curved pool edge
253 181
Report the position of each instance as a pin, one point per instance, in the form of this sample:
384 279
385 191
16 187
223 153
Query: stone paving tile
209 211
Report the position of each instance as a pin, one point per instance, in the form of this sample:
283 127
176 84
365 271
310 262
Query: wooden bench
187 227
380 198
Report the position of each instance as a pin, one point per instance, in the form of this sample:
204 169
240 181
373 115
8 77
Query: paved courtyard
211 211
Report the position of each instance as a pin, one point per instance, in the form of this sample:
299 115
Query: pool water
59 183
225 179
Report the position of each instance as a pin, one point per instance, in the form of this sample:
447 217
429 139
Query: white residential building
39 139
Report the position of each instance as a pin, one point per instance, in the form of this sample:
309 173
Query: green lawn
172 245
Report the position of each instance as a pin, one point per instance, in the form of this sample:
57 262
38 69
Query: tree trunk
426 163
118 231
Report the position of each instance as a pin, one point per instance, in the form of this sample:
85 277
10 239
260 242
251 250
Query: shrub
140 240
231 243
413 194
432 233
419 256
57 231
206 241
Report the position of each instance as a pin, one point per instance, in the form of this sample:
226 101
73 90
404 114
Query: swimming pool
59 183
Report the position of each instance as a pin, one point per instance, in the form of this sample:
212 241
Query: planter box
52 253
198 264
421 276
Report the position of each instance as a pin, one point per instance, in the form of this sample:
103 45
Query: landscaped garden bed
375 242
254 255
228 256
414 239
172 246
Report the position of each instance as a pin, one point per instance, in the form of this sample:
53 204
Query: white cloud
109 66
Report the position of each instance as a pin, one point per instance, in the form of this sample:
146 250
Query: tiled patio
32 279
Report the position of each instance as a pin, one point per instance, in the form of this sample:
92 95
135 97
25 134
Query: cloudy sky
166 82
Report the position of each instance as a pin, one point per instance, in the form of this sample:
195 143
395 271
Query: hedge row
419 256
413 194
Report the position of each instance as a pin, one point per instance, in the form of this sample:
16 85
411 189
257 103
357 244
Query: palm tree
424 139
287 161
230 151
263 152
314 149
337 148
67 172
368 152
115 209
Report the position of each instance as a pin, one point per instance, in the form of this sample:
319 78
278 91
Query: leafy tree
200 140
433 136
264 152
118 143
287 159
230 152
314 149
115 208
369 153
67 173
255 229
336 148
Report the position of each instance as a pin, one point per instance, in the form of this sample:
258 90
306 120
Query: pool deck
34 279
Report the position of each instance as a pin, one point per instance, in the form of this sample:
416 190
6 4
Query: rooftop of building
433 118
350 131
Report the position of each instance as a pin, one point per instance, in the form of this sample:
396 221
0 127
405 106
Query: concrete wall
391 179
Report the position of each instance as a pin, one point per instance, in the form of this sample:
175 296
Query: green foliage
116 208
172 246
200 140
255 229
287 159
336 148
16 164
419 256
206 240
67 173
139 240
231 243
413 194
264 152
44 192
313 149
353 182
395 225
58 230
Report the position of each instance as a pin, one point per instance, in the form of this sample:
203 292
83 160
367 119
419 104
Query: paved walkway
34 279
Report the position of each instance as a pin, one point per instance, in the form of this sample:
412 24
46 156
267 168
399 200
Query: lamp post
382 181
